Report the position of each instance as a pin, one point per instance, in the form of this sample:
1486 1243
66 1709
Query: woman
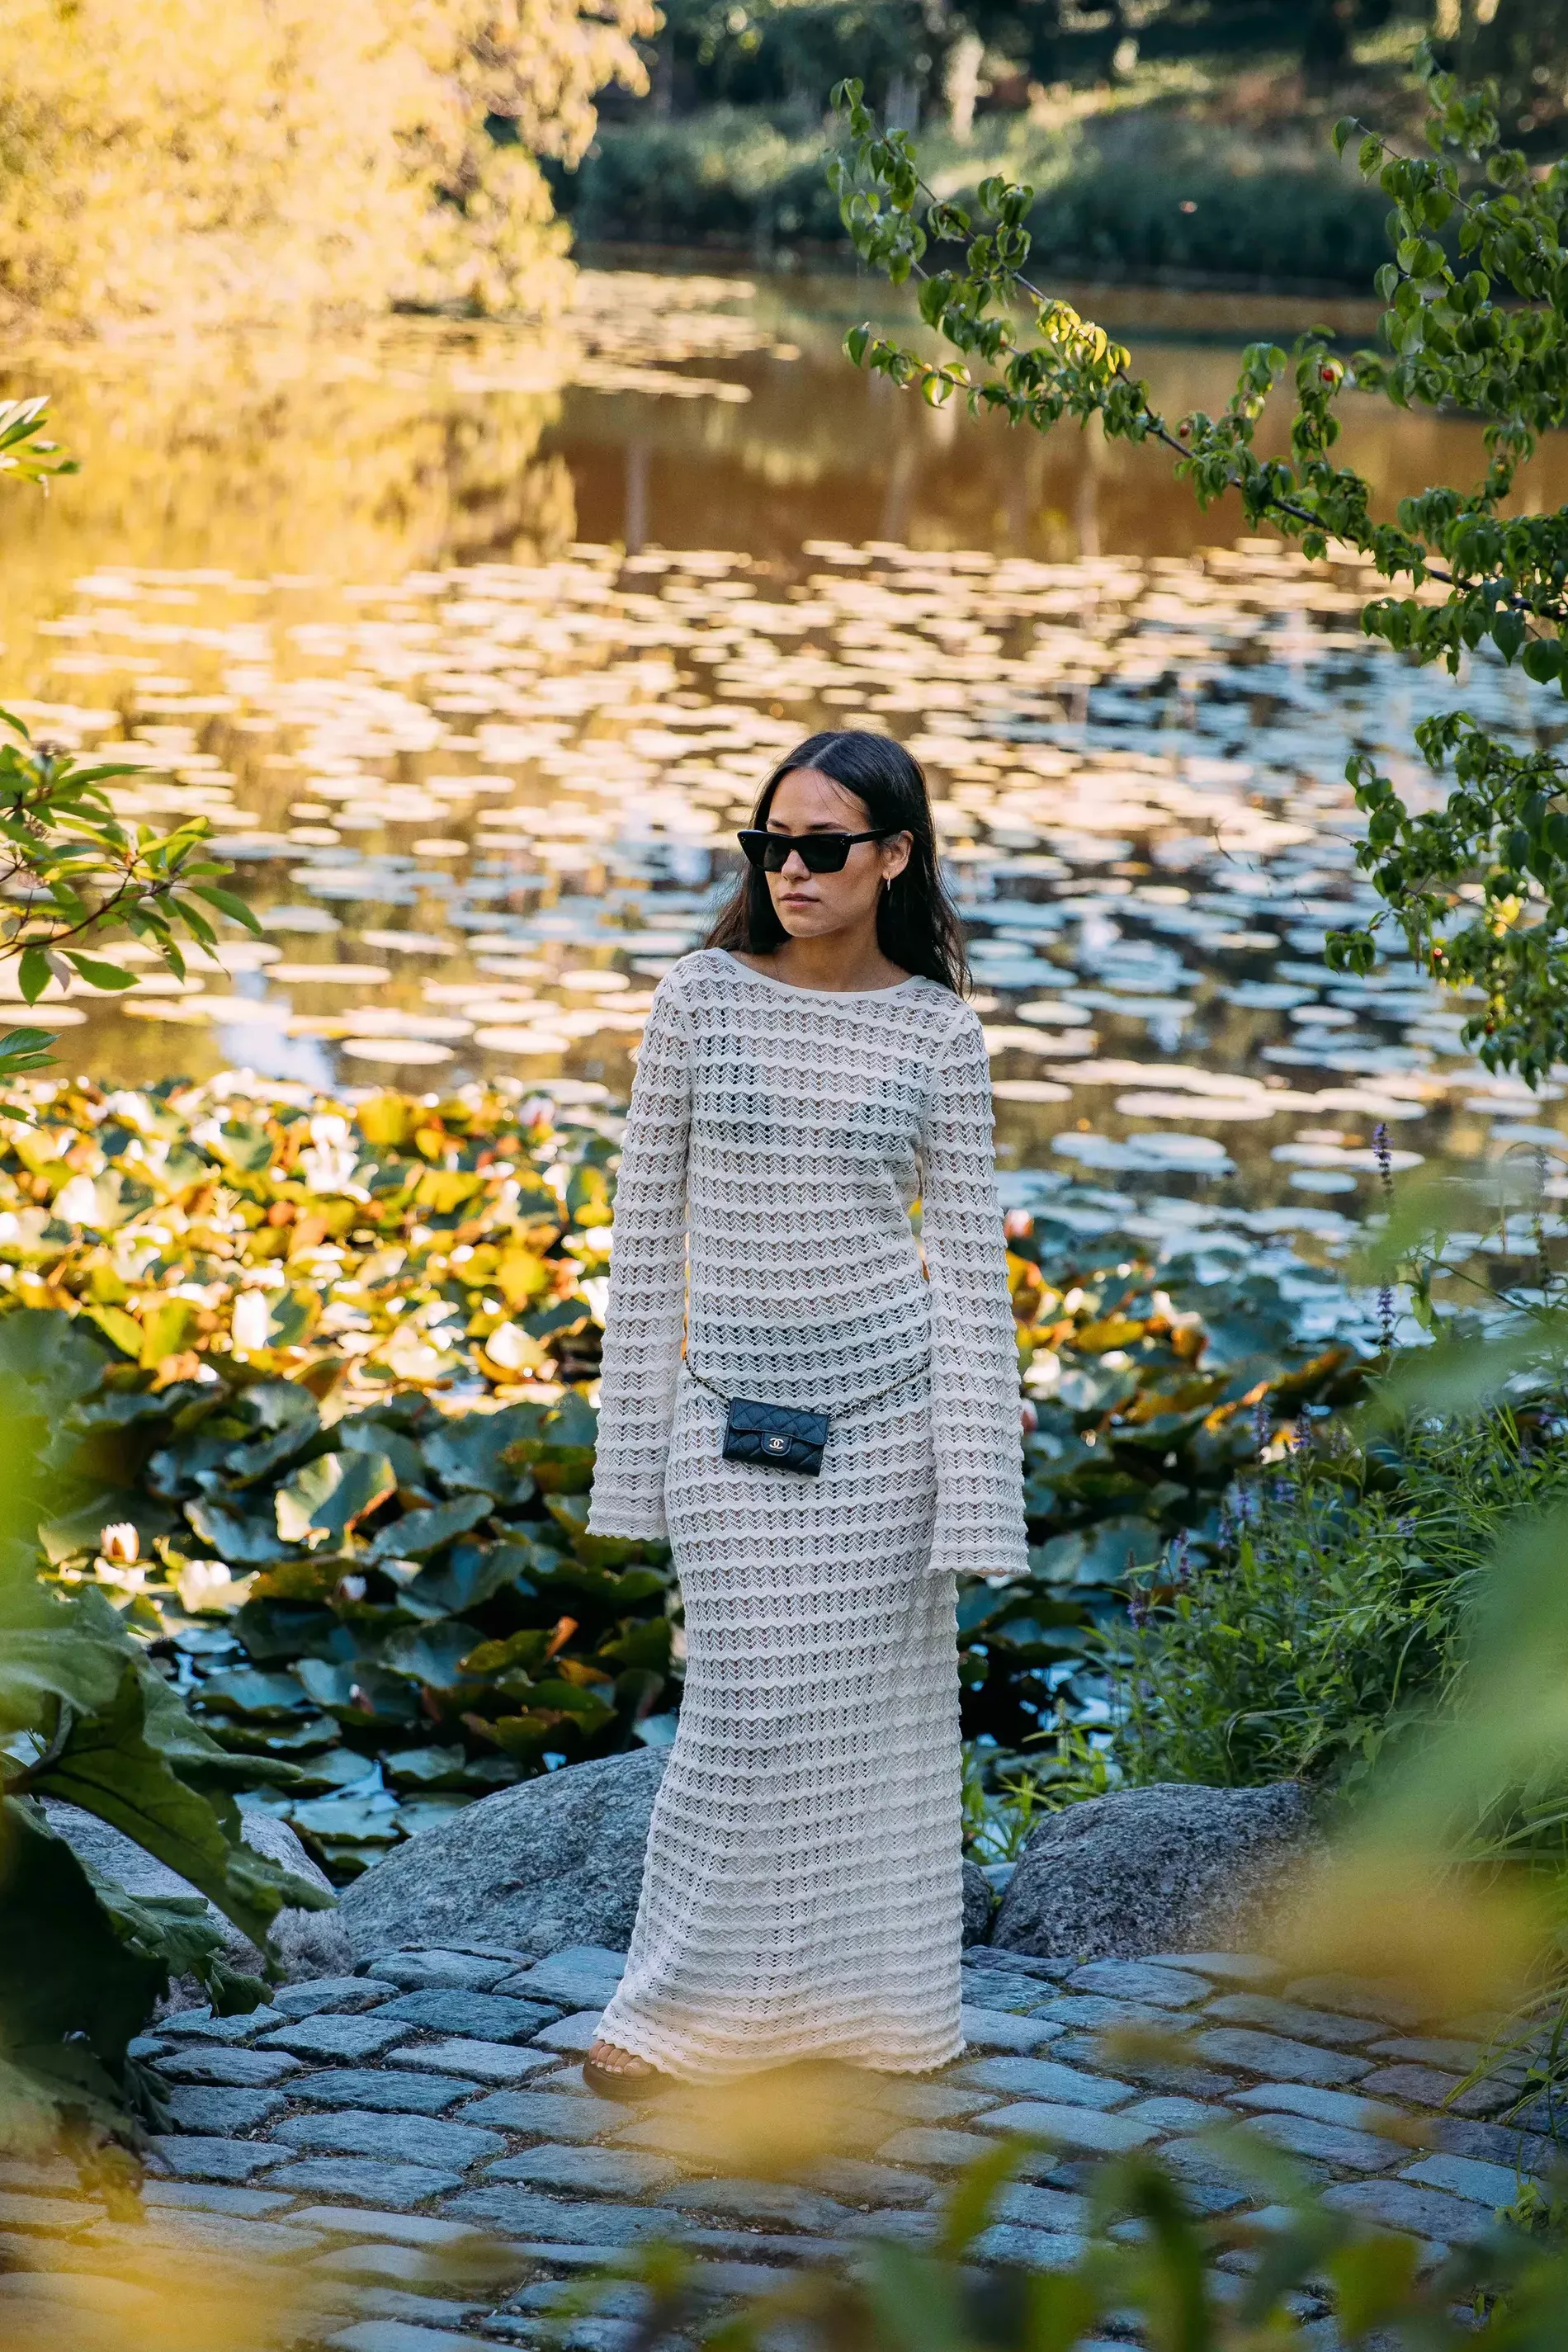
801 1081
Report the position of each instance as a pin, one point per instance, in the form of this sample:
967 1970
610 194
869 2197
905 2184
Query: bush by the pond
1159 207
1333 1614
730 175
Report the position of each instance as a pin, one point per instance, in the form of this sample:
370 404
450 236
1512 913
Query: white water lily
328 1168
120 1542
509 1347
76 1203
211 1584
252 1316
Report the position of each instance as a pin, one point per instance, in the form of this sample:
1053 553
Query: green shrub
739 175
1162 221
1142 197
1331 1617
87 1718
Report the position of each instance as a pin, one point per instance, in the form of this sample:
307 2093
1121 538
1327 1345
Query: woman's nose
794 865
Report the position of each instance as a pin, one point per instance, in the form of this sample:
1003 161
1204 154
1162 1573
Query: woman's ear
896 853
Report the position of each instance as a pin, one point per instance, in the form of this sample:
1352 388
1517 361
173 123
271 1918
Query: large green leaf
361 1696
262 1699
420 1533
273 1447
105 1764
331 1495
370 1434
38 1668
68 1971
248 1540
472 1575
431 1655
467 1455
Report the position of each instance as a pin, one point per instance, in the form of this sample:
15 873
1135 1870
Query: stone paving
361 2131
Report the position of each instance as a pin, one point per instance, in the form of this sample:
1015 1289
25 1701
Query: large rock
1172 1868
552 1863
979 1902
308 1943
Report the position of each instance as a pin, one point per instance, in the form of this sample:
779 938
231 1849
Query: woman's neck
842 963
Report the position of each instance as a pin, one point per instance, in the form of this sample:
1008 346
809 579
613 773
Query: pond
474 647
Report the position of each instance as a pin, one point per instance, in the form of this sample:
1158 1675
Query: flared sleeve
646 1321
975 1355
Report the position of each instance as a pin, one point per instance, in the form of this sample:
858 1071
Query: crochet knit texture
803 1890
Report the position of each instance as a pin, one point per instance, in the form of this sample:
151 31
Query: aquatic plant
324 1362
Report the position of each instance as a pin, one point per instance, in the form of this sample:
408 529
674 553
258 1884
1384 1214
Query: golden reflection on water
474 647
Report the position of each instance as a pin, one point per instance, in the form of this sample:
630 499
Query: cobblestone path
360 2128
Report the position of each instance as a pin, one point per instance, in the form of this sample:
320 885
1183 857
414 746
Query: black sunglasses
820 852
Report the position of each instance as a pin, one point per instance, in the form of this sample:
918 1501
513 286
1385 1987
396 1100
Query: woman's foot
618 2073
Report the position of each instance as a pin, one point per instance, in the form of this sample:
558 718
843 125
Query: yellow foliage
1110 1332
277 158
523 1276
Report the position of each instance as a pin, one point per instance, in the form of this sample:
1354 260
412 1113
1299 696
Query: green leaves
24 452
34 974
87 1721
327 1499
76 878
101 974
23 1051
104 1764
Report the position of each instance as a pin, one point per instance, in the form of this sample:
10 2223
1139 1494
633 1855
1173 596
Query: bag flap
749 1418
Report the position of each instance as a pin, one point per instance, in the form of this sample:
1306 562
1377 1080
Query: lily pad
430 1654
261 1697
472 1575
294 1741
359 1696
245 1540
331 1495
369 1820
427 1768
468 1454
420 1533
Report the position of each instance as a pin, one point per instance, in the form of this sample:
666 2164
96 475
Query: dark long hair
917 923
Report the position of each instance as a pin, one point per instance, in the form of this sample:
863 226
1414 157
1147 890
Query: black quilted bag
777 1436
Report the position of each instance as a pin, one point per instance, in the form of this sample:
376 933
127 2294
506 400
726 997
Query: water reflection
474 651
819 451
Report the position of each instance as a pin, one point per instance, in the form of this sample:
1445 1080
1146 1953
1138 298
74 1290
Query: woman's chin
809 922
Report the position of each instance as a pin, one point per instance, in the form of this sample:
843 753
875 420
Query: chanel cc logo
776 1444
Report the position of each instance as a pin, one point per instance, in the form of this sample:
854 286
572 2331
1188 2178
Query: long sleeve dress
802 1894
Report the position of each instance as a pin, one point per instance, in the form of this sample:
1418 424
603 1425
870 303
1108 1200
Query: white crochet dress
802 1894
